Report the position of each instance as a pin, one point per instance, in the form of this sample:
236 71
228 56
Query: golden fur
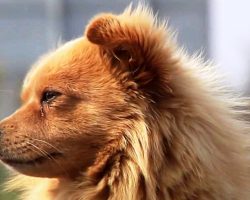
135 119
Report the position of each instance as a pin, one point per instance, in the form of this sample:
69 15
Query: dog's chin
44 166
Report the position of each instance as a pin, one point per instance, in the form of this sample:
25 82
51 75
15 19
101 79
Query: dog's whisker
46 154
42 141
36 151
41 152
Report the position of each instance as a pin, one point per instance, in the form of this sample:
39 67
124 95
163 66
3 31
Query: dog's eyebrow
24 94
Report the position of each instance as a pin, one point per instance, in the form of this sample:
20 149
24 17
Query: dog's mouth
37 160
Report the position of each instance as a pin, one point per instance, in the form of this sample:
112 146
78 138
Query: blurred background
28 29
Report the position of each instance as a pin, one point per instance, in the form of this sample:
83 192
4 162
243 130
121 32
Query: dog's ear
117 40
133 42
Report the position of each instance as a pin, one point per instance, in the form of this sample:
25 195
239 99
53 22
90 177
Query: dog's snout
5 126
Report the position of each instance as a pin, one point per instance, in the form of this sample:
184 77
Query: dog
124 113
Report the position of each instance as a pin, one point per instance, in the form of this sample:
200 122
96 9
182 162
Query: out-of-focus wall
229 33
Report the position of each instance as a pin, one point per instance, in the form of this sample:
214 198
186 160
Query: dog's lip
37 160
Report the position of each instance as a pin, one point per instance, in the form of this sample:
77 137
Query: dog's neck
136 167
121 170
162 161
124 169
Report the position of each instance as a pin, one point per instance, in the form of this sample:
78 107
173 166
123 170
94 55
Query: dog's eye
49 96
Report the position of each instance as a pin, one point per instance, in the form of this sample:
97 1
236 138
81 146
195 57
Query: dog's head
86 94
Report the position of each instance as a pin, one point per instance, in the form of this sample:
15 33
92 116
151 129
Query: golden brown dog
122 114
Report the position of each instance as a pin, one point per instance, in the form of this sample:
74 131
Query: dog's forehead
64 60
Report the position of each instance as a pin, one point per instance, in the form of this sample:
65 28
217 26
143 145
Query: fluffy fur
136 118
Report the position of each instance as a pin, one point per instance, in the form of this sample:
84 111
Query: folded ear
103 28
118 40
133 42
